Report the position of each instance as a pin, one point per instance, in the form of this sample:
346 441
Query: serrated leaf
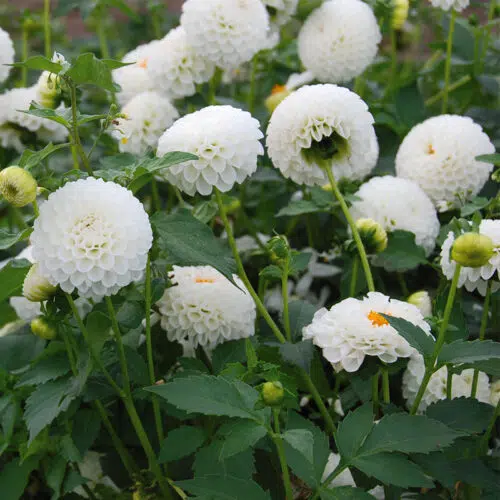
413 334
228 352
301 440
87 69
241 465
30 159
180 443
189 242
401 254
300 207
39 63
438 466
61 117
476 473
48 368
463 351
9 239
299 354
353 430
239 435
86 427
344 493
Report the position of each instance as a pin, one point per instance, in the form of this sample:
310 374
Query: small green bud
273 393
373 235
17 186
472 250
400 13
278 94
422 301
36 287
279 248
41 328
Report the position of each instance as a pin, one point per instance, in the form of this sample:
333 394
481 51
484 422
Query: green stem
403 285
375 391
386 390
394 59
155 19
352 225
447 67
284 292
354 276
47 29
485 439
340 468
241 270
35 208
253 79
435 98
101 33
491 12
482 333
449 383
278 441
24 55
430 364
212 87
155 195
75 135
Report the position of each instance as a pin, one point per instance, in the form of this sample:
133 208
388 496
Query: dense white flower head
458 5
135 78
204 308
93 236
439 155
6 54
353 329
226 32
436 390
280 11
475 278
147 116
322 126
175 67
339 40
226 141
398 204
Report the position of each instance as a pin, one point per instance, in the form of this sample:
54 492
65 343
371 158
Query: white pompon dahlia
339 40
226 32
147 116
204 308
93 236
398 204
175 67
318 127
226 141
280 11
436 390
353 329
458 5
6 54
135 78
475 278
439 155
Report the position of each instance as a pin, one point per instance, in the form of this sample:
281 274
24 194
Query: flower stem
253 79
212 87
340 468
345 210
278 441
482 333
101 33
47 29
354 276
386 390
24 54
430 364
489 430
375 392
284 292
394 58
491 13
329 424
241 270
462 81
36 211
449 383
447 67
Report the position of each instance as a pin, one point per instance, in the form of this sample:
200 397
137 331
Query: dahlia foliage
250 250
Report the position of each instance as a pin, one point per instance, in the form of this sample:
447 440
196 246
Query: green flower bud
41 328
373 235
36 287
422 301
472 250
278 94
17 186
400 13
279 248
273 393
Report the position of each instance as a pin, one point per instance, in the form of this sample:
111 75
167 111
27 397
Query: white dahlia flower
353 329
475 278
204 308
25 309
398 204
175 67
318 127
458 5
439 155
10 137
225 32
93 236
6 54
339 40
280 11
147 116
135 78
436 390
226 141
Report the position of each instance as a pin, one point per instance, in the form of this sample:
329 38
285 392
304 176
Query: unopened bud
472 250
273 393
48 88
279 248
373 235
400 13
278 94
41 328
36 287
422 301
17 186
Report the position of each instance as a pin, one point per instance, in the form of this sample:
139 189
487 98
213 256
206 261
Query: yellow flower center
430 150
143 63
277 89
124 140
377 319
205 280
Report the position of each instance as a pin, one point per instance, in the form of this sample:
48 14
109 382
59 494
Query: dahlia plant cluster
250 250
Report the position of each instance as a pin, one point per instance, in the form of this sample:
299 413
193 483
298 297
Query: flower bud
400 13
422 301
17 186
48 88
472 250
41 328
279 248
36 287
373 235
278 94
273 393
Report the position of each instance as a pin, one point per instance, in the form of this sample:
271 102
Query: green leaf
271 273
48 368
344 493
414 335
240 465
12 278
30 159
228 352
353 430
189 242
492 158
14 477
401 254
299 262
98 327
8 239
477 203
87 69
476 473
300 354
223 487
86 427
16 351
55 473
410 106
180 443
39 63
300 207
62 117
393 468
239 435
463 351
438 466
301 314
462 414
302 440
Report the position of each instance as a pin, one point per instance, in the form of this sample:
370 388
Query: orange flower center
377 319
205 280
143 63
430 150
277 89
